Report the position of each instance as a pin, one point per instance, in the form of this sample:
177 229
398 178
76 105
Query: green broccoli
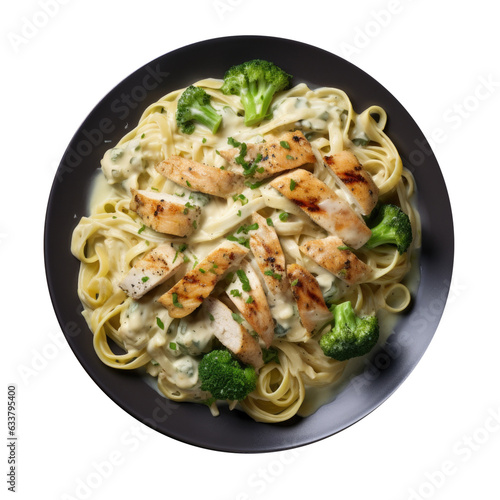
224 377
256 82
391 225
194 106
351 335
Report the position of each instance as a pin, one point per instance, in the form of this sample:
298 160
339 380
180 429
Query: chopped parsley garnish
343 247
238 213
246 229
211 316
202 270
172 346
237 318
241 197
276 276
253 185
155 189
188 207
245 283
143 135
295 282
180 195
159 322
235 293
241 240
182 247
283 216
195 224
175 301
270 222
233 142
204 140
284 144
188 184
292 184
249 168
240 159
290 157
144 279
142 229
249 300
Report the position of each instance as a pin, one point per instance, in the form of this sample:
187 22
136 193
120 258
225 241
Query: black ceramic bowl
119 111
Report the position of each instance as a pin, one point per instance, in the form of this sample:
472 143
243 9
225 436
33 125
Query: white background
437 437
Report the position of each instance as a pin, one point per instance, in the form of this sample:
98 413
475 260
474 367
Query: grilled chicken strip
150 271
306 291
232 334
250 299
277 154
356 182
323 206
332 254
269 255
188 294
163 212
200 177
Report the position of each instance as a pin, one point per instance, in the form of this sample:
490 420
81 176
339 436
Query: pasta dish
219 238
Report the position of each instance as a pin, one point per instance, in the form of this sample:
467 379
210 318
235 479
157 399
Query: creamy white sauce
195 335
123 164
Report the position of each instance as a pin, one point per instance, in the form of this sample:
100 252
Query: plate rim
256 446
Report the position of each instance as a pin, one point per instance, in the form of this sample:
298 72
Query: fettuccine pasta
130 334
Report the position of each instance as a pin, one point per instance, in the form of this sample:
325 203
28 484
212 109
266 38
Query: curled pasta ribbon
394 297
278 395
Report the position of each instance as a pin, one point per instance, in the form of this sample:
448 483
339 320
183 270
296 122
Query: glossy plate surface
119 111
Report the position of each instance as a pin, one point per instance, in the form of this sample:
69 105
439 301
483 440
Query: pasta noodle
130 334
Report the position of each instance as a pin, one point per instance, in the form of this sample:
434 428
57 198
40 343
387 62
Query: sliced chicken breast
248 296
200 177
164 213
277 154
152 270
306 291
189 293
266 248
232 334
332 254
323 206
353 179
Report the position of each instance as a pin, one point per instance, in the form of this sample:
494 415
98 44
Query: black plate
118 112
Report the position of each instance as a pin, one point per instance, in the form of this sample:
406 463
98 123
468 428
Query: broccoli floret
224 377
351 335
391 225
194 106
256 82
